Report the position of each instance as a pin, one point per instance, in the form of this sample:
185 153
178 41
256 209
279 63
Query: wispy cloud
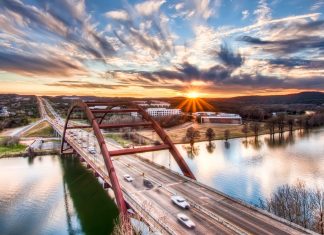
245 14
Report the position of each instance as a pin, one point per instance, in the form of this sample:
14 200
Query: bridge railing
145 213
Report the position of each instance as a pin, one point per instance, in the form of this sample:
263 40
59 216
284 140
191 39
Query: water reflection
192 151
50 195
251 168
210 147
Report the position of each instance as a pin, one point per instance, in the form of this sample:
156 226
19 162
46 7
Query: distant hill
299 98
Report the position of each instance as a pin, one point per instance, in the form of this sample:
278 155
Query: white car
91 150
180 201
128 178
185 220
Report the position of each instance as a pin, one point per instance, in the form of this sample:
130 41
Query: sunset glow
192 95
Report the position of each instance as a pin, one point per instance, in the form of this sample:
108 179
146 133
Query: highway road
211 211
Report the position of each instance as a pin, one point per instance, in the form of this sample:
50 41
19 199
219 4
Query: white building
152 103
160 112
99 107
203 113
222 118
159 104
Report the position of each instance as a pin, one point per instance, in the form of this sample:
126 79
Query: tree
192 134
270 125
226 134
318 198
281 123
255 127
210 134
245 129
291 123
298 204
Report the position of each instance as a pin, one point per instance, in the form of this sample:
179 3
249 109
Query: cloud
150 7
63 20
34 17
198 10
229 58
117 15
88 85
245 14
146 29
56 35
288 46
297 62
42 66
262 12
154 43
217 77
317 5
260 25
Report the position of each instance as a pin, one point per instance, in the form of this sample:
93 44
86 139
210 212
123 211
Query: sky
160 48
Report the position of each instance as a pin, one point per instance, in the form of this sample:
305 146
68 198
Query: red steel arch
96 126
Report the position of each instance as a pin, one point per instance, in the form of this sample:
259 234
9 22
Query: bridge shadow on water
95 210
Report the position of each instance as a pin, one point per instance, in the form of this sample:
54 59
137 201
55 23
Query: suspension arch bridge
211 211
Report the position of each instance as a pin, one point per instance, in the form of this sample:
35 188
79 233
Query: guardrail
141 210
219 219
153 222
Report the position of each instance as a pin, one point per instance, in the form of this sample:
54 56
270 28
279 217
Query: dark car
148 183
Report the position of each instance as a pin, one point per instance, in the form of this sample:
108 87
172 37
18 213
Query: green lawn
12 149
43 129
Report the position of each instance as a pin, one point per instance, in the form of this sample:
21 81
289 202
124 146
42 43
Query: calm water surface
251 170
50 195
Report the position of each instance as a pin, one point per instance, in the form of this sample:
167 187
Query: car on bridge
128 178
148 183
91 150
180 201
185 220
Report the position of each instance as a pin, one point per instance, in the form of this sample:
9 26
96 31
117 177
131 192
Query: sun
192 95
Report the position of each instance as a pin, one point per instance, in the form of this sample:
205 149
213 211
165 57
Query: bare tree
192 134
291 123
281 123
210 134
318 198
255 127
298 204
245 129
270 125
226 134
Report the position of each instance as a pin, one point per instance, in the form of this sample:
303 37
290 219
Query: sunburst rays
193 105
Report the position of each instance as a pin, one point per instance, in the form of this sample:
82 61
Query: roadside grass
17 148
118 138
43 129
33 119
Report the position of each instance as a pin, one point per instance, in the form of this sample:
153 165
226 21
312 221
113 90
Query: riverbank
21 148
178 135
27 154
16 149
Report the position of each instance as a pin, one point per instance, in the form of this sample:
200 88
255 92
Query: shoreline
238 137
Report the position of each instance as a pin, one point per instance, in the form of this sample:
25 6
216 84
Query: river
52 195
249 169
